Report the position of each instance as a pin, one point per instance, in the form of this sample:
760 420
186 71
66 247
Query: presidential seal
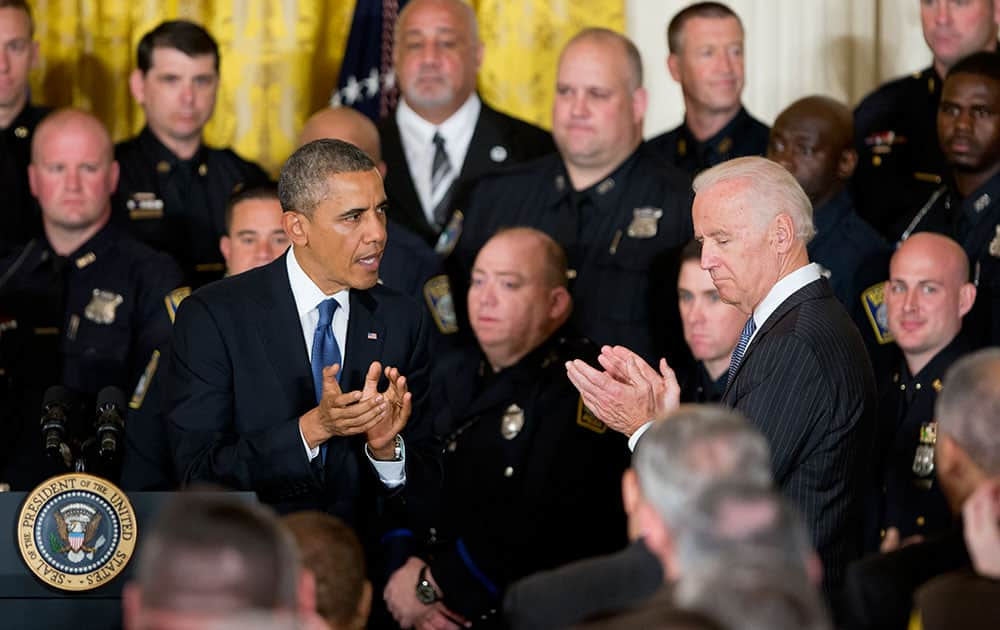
76 532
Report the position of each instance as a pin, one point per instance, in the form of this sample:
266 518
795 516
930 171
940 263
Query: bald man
83 306
408 265
927 295
443 136
813 139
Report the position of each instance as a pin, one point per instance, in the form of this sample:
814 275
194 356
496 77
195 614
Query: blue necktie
325 352
741 348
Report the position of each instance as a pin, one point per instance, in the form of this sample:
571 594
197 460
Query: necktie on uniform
741 347
325 351
440 168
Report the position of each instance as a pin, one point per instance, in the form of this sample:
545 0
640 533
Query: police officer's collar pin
560 182
85 260
498 153
982 202
163 166
203 169
512 422
21 132
725 145
995 244
606 186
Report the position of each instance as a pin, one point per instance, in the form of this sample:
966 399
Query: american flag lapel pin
372 336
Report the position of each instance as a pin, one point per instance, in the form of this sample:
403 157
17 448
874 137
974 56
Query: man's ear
783 232
131 606
365 605
226 247
136 86
846 164
966 298
296 227
560 303
674 66
307 593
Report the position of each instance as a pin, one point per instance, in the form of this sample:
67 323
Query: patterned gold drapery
280 59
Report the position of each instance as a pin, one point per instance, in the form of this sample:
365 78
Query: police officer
532 478
85 305
900 163
813 139
621 213
173 188
19 220
711 330
706 57
926 296
967 208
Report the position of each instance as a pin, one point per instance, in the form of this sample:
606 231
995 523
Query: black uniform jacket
86 321
498 140
622 237
547 495
743 135
240 378
20 219
179 206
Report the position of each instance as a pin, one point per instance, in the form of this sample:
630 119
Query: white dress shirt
417 136
781 291
307 298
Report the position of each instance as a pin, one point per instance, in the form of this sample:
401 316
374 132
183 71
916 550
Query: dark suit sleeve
206 444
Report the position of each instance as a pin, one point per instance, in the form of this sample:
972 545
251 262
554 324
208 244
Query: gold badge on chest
923 458
102 307
645 222
512 422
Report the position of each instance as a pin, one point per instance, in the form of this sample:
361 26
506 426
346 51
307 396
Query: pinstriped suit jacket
807 384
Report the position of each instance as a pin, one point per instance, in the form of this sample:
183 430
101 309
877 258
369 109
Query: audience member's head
599 104
705 41
517 294
967 452
72 175
927 295
436 54
254 234
954 30
332 552
754 221
176 81
347 124
814 139
676 460
208 557
334 214
970 140
20 53
711 327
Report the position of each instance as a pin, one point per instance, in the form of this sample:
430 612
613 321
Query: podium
27 602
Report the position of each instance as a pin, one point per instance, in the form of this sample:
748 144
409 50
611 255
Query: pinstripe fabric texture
807 384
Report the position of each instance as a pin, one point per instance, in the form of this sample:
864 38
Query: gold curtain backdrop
280 59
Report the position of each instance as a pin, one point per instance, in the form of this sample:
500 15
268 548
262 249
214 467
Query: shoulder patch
437 292
174 299
586 419
873 301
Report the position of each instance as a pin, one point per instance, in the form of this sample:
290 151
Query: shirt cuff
632 441
311 453
392 474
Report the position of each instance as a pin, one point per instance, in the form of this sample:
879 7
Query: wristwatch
425 590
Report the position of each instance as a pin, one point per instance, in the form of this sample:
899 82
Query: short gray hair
694 447
968 407
770 185
212 553
305 177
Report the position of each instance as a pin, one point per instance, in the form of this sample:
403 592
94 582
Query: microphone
56 407
110 421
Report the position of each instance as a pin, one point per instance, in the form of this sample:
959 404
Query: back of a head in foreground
694 447
968 409
210 553
331 550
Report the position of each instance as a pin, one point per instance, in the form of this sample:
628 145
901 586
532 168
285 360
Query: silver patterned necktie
741 348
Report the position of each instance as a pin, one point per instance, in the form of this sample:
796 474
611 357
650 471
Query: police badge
644 222
76 532
512 422
101 309
923 458
995 244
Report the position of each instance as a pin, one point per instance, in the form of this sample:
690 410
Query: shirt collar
782 290
306 294
159 151
464 119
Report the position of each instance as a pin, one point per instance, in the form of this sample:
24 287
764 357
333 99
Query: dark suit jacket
807 384
240 378
574 592
520 142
